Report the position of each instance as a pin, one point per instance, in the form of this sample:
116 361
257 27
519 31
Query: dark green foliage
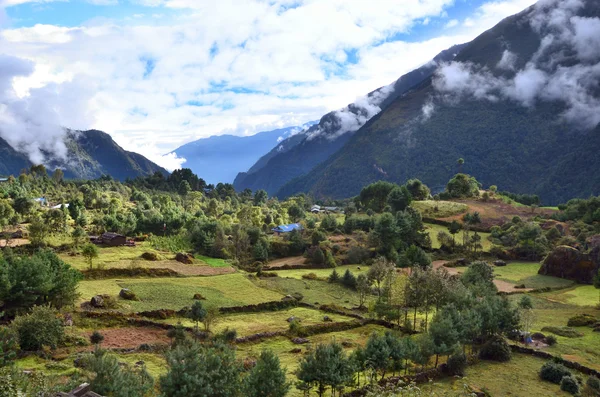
197 313
296 242
357 255
112 379
553 372
358 222
457 364
349 280
414 256
201 371
551 340
526 199
40 279
266 378
570 384
317 256
377 353
296 212
399 198
495 349
178 335
462 186
326 366
317 236
334 277
480 276
96 338
375 196
330 260
586 210
329 223
418 190
581 320
39 328
566 332
593 383
9 346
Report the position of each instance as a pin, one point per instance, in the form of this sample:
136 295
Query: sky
156 74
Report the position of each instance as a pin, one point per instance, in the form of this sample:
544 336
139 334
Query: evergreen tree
266 378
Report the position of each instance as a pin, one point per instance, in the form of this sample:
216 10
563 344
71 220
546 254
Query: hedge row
96 274
569 364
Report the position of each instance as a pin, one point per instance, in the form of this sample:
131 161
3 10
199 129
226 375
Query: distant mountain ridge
299 154
91 154
520 103
219 158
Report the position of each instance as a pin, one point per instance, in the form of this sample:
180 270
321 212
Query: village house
281 229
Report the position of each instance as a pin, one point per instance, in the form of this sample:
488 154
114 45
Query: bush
357 255
581 320
551 340
553 372
96 338
496 349
310 276
457 364
594 383
570 385
150 256
9 346
39 328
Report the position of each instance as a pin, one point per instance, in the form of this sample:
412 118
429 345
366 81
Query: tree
377 354
379 271
211 317
463 186
296 212
399 198
89 252
444 335
349 280
317 236
479 276
184 188
460 163
260 197
375 195
38 231
198 313
9 346
96 338
414 257
39 328
196 370
387 234
326 366
417 189
79 236
363 286
111 378
266 378
334 277
58 175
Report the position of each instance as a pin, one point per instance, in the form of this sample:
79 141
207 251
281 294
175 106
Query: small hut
113 239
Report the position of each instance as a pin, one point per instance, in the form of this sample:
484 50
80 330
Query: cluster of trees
525 199
586 211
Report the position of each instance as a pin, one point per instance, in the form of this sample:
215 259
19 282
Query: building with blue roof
287 228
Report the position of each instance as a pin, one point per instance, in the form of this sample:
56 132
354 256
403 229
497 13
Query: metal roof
287 228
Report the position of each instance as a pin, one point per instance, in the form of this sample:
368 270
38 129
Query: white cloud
234 66
452 23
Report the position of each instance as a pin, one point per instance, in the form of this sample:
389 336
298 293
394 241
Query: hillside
220 158
299 154
91 154
518 104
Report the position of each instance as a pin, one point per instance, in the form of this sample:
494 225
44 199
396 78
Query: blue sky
156 74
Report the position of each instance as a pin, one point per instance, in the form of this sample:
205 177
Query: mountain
520 103
219 158
299 154
91 154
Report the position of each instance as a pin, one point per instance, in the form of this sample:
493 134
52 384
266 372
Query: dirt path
14 242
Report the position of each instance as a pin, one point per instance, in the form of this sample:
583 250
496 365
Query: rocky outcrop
572 264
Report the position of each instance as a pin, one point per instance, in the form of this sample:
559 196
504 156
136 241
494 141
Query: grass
252 323
156 365
314 291
581 295
433 230
175 293
526 273
439 209
110 257
321 273
214 262
518 377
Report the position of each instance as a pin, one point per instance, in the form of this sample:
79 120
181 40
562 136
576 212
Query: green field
581 295
213 262
252 323
518 377
433 230
175 293
321 273
314 291
115 257
439 209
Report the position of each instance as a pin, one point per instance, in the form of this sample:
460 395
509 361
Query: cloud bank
565 68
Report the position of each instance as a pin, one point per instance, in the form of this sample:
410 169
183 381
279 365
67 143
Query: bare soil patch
131 337
14 242
291 261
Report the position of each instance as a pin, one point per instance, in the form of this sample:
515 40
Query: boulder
288 298
499 263
300 341
296 350
199 297
327 319
184 258
128 294
97 301
290 319
571 264
298 296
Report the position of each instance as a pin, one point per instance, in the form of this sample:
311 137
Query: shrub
553 372
581 320
349 280
570 385
150 256
310 276
9 346
39 328
357 255
334 277
551 340
496 349
96 338
457 363
594 383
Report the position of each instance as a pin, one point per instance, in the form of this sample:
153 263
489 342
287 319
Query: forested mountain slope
301 153
520 104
